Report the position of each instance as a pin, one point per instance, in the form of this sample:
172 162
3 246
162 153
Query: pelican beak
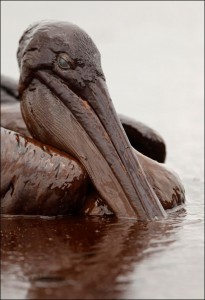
86 125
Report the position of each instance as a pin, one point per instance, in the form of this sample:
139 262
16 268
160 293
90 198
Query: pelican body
66 105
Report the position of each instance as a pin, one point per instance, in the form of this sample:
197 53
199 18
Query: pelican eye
63 61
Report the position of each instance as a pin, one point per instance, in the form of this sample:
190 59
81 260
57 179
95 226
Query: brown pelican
66 105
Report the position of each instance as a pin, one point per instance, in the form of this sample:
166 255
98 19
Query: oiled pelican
65 104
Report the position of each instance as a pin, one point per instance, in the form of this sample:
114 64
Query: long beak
93 133
141 194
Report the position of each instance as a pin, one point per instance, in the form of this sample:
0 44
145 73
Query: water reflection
77 258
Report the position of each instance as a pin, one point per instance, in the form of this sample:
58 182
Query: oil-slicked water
94 257
102 258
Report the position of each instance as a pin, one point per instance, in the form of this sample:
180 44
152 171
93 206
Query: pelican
73 125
